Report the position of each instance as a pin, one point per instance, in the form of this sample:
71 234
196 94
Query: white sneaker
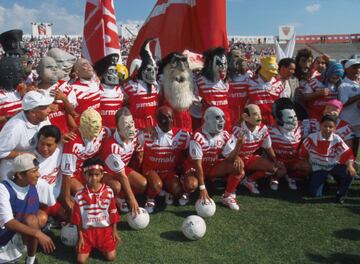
169 198
251 185
274 185
291 183
230 201
122 205
184 199
150 205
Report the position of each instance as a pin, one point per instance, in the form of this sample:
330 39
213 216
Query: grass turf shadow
176 236
336 258
350 234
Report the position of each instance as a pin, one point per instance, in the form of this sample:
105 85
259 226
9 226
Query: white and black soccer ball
140 221
69 235
194 227
205 208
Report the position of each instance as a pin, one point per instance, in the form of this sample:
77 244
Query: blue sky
244 17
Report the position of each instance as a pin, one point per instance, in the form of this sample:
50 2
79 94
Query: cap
351 62
102 65
10 41
25 162
35 99
336 103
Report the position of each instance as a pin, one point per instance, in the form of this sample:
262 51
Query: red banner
176 25
101 36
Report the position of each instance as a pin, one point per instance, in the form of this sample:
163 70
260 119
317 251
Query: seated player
86 144
163 152
286 137
328 154
213 154
255 135
95 214
117 153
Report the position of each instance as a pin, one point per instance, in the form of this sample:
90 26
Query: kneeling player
163 151
95 214
212 154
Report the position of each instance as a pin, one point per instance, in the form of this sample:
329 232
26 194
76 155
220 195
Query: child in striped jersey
328 154
95 214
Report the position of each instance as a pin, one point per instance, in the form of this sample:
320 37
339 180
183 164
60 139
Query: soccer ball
69 235
205 208
194 227
140 221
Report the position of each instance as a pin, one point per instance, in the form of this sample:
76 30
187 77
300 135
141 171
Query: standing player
213 154
162 153
95 214
117 153
255 135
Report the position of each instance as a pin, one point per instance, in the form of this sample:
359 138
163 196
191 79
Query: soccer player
95 214
163 152
19 204
117 153
328 154
213 154
255 135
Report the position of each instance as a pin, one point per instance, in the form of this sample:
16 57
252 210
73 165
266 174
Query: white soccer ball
140 221
194 227
69 235
205 208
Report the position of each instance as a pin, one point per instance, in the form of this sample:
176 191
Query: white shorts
13 250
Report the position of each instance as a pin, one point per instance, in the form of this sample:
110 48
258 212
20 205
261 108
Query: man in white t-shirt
19 133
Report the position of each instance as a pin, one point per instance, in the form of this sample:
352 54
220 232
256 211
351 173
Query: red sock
122 195
232 183
257 175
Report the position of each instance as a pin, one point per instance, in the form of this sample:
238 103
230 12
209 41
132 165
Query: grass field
282 227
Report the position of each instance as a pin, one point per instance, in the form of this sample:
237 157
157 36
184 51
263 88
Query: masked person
117 153
212 85
111 96
62 109
255 135
65 62
163 152
86 87
238 84
286 137
142 94
213 153
178 88
322 88
86 144
265 89
12 76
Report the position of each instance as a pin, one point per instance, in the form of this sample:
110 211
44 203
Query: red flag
101 36
176 25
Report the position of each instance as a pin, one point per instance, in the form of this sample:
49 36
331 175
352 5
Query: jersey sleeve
229 146
115 163
6 213
113 212
195 150
76 216
9 139
68 164
267 140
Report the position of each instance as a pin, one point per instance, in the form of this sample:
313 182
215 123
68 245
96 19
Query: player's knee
191 184
42 218
110 256
116 187
32 221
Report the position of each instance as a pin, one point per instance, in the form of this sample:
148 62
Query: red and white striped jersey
285 143
76 151
213 93
264 94
325 154
117 154
95 209
210 149
253 140
142 104
10 103
87 95
316 107
343 129
165 151
238 91
111 99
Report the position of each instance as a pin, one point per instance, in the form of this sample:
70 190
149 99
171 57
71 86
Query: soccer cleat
122 205
230 201
251 185
150 205
169 198
274 185
291 183
184 199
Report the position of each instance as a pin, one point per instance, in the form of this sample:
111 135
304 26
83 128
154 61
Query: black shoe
340 199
